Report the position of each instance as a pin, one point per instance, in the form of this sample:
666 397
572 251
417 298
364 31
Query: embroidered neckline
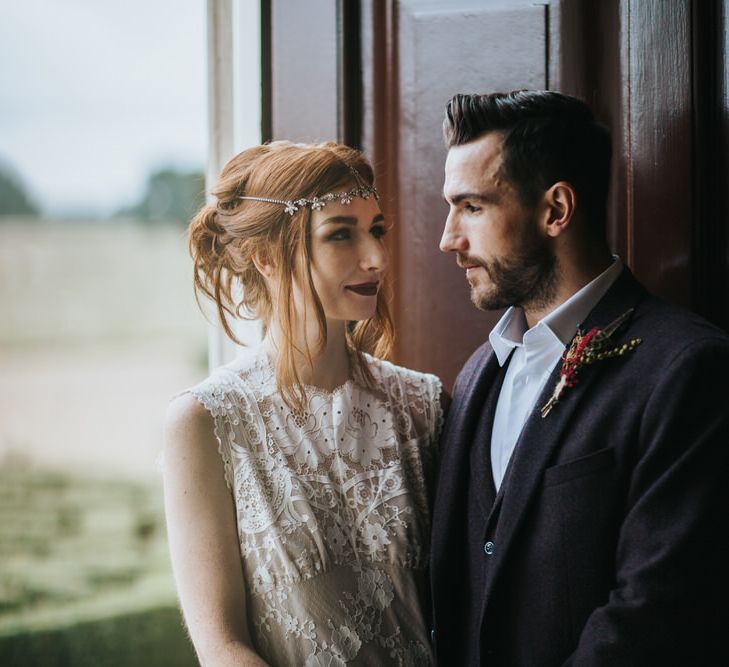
311 390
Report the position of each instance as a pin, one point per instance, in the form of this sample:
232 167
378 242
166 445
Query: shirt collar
508 333
560 325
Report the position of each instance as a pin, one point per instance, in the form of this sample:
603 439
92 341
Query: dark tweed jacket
610 538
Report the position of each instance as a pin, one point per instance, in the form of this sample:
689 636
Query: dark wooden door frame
654 71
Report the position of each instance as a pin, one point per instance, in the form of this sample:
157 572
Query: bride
298 478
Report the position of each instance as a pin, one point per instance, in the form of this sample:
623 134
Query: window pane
101 157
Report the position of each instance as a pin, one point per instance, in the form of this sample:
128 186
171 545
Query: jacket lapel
456 442
449 513
540 437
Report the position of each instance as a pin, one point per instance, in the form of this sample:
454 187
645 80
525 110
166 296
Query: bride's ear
263 265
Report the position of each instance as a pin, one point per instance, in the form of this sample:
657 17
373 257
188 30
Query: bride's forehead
359 211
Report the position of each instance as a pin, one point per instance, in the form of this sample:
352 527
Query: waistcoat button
488 548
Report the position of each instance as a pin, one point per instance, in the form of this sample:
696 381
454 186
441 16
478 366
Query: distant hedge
153 638
14 199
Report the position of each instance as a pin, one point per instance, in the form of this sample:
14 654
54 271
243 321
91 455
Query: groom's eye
470 208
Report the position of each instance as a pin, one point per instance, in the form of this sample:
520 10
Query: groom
582 507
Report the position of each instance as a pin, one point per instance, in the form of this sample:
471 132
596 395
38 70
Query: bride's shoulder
226 380
385 373
185 414
414 396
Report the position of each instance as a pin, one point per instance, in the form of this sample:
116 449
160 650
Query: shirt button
488 548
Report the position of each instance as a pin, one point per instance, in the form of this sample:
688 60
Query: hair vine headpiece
362 190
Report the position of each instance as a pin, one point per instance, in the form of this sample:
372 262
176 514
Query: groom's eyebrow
473 196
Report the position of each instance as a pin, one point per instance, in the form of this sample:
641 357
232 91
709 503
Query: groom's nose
452 239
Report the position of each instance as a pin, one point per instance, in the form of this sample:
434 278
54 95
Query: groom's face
496 238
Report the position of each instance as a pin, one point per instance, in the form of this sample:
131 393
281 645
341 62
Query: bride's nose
375 256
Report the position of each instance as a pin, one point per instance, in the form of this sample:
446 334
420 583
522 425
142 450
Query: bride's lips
365 289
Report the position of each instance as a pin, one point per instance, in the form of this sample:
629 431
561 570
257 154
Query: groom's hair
548 137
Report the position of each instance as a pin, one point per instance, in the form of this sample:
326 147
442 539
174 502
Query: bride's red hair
225 236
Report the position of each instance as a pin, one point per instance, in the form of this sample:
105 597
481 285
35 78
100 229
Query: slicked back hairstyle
226 235
548 137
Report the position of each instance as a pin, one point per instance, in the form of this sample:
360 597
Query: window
101 164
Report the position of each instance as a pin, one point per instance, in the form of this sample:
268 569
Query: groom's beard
527 278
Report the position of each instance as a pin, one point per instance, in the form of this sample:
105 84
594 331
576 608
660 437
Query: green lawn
85 576
74 547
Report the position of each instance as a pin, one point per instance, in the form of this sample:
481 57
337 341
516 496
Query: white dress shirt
535 351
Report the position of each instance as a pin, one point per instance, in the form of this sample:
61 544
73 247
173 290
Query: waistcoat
482 501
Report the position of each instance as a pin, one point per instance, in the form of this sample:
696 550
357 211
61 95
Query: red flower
586 349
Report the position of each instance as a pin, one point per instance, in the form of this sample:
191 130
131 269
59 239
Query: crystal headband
362 190
318 203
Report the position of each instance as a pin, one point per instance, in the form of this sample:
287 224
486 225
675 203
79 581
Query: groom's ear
558 208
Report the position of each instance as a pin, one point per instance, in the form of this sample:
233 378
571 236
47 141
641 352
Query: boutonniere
586 349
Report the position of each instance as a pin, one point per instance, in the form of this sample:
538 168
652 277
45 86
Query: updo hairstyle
225 236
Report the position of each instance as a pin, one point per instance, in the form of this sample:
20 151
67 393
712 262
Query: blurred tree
14 200
170 195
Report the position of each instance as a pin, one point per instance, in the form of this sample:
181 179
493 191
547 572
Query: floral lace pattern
332 505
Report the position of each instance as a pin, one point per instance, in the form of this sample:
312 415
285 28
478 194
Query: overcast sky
94 95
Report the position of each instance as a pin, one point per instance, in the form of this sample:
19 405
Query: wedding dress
332 507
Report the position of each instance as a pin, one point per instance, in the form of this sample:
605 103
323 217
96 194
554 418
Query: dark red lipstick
365 289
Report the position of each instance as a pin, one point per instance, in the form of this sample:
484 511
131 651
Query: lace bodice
332 506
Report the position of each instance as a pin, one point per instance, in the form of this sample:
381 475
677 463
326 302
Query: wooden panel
350 72
469 48
710 284
664 100
304 70
720 280
587 61
659 145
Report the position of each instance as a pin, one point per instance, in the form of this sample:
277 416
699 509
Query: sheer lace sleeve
230 410
415 398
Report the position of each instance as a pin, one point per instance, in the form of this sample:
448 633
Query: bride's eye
378 231
343 234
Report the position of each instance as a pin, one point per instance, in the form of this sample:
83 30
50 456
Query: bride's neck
331 364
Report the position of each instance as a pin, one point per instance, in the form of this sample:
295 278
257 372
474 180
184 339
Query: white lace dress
332 508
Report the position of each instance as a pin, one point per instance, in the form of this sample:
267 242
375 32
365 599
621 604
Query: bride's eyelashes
345 233
341 234
379 230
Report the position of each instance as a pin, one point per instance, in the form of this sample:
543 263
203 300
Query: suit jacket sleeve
669 601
